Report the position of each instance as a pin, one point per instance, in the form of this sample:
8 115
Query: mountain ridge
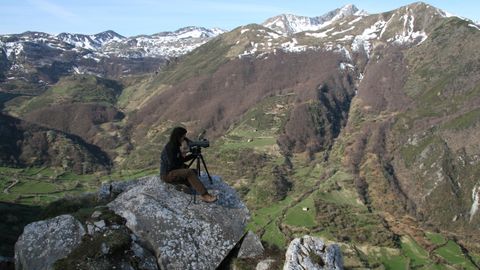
290 24
26 59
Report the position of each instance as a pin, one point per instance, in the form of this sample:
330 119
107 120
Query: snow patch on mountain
344 66
274 35
354 21
342 50
76 70
292 46
245 30
289 23
153 47
346 38
191 32
474 26
93 56
343 31
409 35
252 51
13 48
166 44
323 34
475 199
362 42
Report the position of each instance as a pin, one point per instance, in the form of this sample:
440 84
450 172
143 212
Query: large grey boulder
251 246
311 253
44 242
183 234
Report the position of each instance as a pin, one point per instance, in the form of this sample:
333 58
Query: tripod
199 157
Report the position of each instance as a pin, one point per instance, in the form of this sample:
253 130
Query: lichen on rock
183 234
150 225
311 253
44 242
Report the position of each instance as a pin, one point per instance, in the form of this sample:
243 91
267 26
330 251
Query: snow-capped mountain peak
167 44
163 44
108 36
191 32
289 24
345 11
90 42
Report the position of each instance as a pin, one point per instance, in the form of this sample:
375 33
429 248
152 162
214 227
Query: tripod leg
198 167
205 166
191 162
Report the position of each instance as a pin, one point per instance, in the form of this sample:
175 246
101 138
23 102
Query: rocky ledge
146 225
183 234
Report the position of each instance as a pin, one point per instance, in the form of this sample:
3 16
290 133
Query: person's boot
208 198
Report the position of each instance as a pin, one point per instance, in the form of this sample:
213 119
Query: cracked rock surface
183 234
44 242
311 253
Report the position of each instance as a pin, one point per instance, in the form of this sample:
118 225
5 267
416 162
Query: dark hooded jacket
171 159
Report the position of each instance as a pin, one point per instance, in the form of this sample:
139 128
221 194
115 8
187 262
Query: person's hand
184 149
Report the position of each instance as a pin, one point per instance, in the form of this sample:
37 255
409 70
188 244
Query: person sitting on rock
174 171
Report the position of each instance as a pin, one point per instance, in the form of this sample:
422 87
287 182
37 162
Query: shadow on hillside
5 97
13 218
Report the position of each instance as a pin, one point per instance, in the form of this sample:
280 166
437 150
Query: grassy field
27 194
453 254
40 186
263 216
418 256
71 89
303 214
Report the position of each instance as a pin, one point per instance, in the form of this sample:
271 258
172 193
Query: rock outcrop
183 234
251 246
150 225
108 245
311 253
44 242
109 191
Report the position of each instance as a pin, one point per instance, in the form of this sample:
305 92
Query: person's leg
187 177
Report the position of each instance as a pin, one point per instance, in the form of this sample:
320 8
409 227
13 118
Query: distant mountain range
32 60
37 59
111 43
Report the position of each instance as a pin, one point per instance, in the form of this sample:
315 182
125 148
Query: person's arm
170 153
185 156
188 157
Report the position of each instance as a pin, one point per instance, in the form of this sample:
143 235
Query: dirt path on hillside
7 189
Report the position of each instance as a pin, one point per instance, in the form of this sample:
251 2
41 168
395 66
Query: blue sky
130 17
